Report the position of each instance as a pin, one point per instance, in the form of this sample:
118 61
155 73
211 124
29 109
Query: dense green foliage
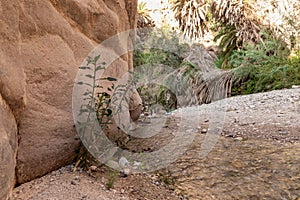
264 67
252 44
157 56
155 94
165 50
236 23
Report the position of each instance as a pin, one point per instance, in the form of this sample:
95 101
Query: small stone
123 162
93 168
229 135
282 132
122 191
239 139
135 163
229 110
126 171
103 180
244 124
73 182
204 131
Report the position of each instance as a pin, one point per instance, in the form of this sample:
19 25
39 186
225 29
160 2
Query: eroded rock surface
8 149
42 45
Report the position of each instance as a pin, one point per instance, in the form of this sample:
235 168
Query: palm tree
243 19
283 19
144 19
196 16
236 24
192 16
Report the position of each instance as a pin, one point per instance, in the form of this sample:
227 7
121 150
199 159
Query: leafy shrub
264 67
170 56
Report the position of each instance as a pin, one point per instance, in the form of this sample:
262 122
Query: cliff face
8 149
42 45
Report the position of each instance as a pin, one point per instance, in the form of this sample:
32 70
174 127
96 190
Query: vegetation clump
258 40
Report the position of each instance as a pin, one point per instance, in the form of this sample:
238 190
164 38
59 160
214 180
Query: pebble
135 163
244 124
93 168
238 139
123 162
229 135
204 131
126 171
282 132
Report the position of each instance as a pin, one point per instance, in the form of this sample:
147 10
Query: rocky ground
97 184
255 154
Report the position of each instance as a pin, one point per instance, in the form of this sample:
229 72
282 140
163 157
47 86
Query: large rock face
8 149
43 42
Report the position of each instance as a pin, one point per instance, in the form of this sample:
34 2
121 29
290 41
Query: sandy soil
97 184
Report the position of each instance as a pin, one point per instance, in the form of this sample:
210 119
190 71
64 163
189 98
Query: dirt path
257 156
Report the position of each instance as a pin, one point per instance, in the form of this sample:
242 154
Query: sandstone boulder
42 45
8 149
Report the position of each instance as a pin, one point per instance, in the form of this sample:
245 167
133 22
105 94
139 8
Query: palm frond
192 17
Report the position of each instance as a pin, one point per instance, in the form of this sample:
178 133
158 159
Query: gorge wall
43 42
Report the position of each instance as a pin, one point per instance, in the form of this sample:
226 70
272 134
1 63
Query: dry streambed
257 156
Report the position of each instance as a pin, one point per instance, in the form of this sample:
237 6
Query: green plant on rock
103 110
98 103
